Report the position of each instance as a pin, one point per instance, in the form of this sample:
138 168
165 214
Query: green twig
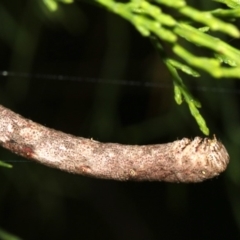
181 92
150 20
3 164
4 235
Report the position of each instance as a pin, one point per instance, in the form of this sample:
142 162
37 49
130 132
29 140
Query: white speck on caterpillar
10 128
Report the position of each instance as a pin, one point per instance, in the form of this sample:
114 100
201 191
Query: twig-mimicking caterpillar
179 161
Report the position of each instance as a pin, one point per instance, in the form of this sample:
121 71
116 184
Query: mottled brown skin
180 161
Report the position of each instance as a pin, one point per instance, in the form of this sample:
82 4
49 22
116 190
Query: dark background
122 93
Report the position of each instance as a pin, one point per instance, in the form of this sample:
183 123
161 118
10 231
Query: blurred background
87 72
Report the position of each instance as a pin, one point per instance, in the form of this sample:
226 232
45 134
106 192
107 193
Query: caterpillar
179 161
